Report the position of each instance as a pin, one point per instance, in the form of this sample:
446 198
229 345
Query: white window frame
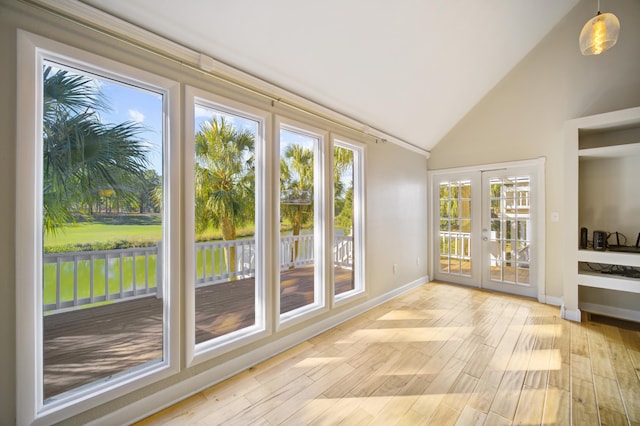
359 150
32 51
203 351
320 213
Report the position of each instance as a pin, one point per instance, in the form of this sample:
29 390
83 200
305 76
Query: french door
487 226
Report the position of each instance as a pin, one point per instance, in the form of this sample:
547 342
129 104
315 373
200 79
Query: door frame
539 198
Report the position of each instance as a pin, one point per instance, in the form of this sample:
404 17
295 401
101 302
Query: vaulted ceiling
410 68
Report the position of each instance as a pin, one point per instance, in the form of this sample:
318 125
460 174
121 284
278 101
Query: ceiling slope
410 68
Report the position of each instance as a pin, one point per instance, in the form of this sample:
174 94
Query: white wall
396 217
524 115
610 196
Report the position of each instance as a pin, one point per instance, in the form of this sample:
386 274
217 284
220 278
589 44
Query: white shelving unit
604 137
610 151
608 281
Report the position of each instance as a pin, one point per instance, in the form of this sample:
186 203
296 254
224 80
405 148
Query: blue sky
133 104
141 106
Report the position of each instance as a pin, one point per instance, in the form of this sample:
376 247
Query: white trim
359 202
534 162
611 311
607 121
552 300
321 301
196 353
539 165
168 396
32 51
570 314
124 31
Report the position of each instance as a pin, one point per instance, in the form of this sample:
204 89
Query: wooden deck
89 344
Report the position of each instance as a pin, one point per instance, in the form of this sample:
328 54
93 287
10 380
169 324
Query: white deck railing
83 278
106 275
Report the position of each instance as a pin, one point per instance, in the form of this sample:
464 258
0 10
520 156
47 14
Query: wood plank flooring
440 354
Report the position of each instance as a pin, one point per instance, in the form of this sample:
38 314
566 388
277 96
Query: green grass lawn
102 233
105 232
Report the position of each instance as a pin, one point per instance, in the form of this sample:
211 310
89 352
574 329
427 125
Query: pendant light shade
599 33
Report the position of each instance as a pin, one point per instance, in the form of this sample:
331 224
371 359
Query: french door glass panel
455 227
508 230
226 288
103 287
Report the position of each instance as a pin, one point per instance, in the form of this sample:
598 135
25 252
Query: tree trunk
297 226
229 234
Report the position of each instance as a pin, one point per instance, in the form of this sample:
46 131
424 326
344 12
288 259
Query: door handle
485 238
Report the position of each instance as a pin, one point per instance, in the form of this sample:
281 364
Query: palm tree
296 177
82 155
343 162
224 179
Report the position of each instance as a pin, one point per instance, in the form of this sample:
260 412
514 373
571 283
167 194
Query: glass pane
297 260
496 271
444 225
444 264
496 206
103 226
444 243
523 230
455 225
465 208
224 193
465 267
455 190
455 265
444 191
496 229
465 226
444 209
465 189
343 250
523 275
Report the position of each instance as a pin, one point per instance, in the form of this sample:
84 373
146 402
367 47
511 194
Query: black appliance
599 240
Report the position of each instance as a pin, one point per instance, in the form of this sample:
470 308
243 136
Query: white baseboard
611 311
552 300
170 395
571 315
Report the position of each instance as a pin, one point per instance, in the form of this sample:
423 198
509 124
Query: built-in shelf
610 151
613 137
610 282
609 257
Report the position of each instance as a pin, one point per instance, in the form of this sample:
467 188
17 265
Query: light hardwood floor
440 354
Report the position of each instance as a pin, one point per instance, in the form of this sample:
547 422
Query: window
226 285
270 224
97 277
347 251
301 237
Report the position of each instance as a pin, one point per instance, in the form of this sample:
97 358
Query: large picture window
225 299
301 244
98 302
256 219
347 251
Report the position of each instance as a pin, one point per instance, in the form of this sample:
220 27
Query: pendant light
599 33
